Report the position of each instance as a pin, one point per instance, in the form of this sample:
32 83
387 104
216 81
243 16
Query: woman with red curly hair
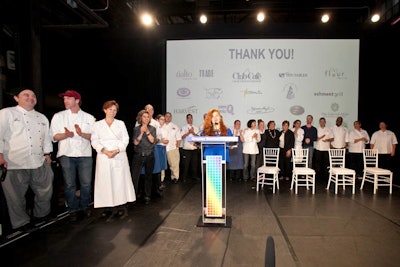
214 126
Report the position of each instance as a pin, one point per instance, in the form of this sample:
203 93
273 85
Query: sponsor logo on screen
206 73
247 92
297 110
290 90
335 112
334 94
213 93
334 107
260 110
335 73
228 109
185 110
292 75
185 75
246 76
183 92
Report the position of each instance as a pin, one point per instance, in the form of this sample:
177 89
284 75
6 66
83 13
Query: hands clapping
191 130
144 129
78 129
68 133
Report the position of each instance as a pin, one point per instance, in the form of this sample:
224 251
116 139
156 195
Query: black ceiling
58 14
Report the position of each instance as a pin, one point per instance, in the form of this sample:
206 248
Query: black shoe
25 228
121 213
106 213
158 193
175 180
147 200
73 216
88 212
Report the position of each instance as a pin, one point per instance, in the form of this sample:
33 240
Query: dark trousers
235 174
355 161
385 161
147 162
321 163
285 164
190 162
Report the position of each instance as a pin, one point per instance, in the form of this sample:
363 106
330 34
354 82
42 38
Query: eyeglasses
149 109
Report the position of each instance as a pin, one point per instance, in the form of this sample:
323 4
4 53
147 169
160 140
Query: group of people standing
26 144
247 155
27 137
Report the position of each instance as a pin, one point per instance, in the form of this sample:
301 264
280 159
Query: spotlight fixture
203 19
260 16
147 19
325 18
375 18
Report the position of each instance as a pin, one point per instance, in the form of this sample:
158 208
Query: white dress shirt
185 129
383 141
360 145
75 146
162 133
339 135
321 145
298 138
250 143
173 135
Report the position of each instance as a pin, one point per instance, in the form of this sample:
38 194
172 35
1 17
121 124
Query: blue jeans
249 159
73 168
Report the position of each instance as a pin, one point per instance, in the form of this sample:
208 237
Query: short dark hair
250 122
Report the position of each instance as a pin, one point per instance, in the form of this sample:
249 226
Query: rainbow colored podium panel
214 184
213 154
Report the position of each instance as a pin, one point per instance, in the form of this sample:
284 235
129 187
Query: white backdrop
269 79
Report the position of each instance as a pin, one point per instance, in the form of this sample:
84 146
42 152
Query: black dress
272 140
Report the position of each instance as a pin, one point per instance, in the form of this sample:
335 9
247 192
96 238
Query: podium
213 170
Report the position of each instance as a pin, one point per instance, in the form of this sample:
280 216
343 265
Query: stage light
325 18
203 19
147 19
260 16
375 18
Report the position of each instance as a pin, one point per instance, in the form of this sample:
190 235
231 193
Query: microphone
216 128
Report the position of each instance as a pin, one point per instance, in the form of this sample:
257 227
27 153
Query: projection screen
269 79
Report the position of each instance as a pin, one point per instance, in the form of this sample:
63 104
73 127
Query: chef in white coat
113 186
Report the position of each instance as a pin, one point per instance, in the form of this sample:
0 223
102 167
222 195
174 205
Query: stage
308 230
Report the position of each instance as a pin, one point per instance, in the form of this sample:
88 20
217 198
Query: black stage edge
228 223
12 237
